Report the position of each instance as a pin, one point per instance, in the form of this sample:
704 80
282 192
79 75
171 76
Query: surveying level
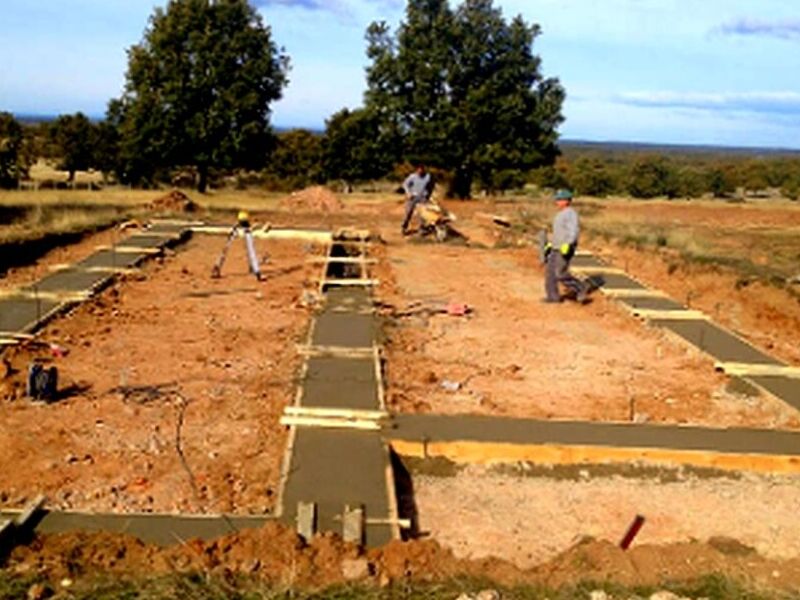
242 227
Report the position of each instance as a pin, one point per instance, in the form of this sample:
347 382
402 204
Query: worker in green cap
560 251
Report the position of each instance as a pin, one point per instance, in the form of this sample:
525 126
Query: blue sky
670 71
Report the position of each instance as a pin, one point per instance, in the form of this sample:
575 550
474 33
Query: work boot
583 294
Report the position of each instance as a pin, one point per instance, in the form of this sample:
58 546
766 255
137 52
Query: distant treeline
672 172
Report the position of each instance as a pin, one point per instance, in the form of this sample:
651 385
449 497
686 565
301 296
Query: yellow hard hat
243 215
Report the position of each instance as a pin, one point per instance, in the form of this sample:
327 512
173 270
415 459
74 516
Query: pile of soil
276 554
175 201
316 198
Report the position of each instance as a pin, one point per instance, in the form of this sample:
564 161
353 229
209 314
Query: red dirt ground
102 450
225 347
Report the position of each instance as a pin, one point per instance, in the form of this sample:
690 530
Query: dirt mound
175 201
276 554
317 198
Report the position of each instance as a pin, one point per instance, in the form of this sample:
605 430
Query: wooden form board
350 282
63 296
628 293
756 369
130 249
312 351
667 315
592 270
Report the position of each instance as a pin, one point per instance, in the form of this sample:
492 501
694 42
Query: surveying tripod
242 227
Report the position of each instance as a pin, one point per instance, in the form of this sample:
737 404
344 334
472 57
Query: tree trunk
202 182
461 185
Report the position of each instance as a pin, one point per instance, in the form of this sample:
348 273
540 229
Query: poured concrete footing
160 529
470 438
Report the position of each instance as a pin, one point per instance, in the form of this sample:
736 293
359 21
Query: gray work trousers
411 204
558 271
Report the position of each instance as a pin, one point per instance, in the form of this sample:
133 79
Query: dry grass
28 215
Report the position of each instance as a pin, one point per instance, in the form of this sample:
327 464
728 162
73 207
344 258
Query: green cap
563 194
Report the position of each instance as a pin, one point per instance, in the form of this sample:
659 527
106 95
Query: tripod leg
216 271
251 254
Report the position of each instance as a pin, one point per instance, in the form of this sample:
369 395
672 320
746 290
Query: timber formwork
337 463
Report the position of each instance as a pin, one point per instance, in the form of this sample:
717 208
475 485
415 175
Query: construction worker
560 250
418 187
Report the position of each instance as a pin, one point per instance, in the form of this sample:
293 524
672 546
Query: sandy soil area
170 349
529 519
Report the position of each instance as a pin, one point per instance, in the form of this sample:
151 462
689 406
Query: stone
598 595
355 568
488 595
664 595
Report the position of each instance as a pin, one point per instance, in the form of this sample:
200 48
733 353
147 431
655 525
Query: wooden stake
343 413
330 423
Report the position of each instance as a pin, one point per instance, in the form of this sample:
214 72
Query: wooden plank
755 369
306 520
16 335
593 270
335 351
9 342
65 296
628 293
354 260
669 315
322 237
122 249
350 282
353 525
344 413
330 423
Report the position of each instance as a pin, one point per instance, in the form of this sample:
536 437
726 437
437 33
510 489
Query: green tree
464 91
721 182
652 176
12 165
295 161
198 90
592 177
357 147
72 136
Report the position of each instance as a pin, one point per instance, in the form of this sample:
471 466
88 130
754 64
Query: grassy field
29 215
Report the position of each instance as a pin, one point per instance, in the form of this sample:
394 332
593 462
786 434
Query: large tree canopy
73 137
463 91
199 88
12 168
356 147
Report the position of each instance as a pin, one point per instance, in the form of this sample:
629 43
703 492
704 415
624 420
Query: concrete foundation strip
756 370
488 440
